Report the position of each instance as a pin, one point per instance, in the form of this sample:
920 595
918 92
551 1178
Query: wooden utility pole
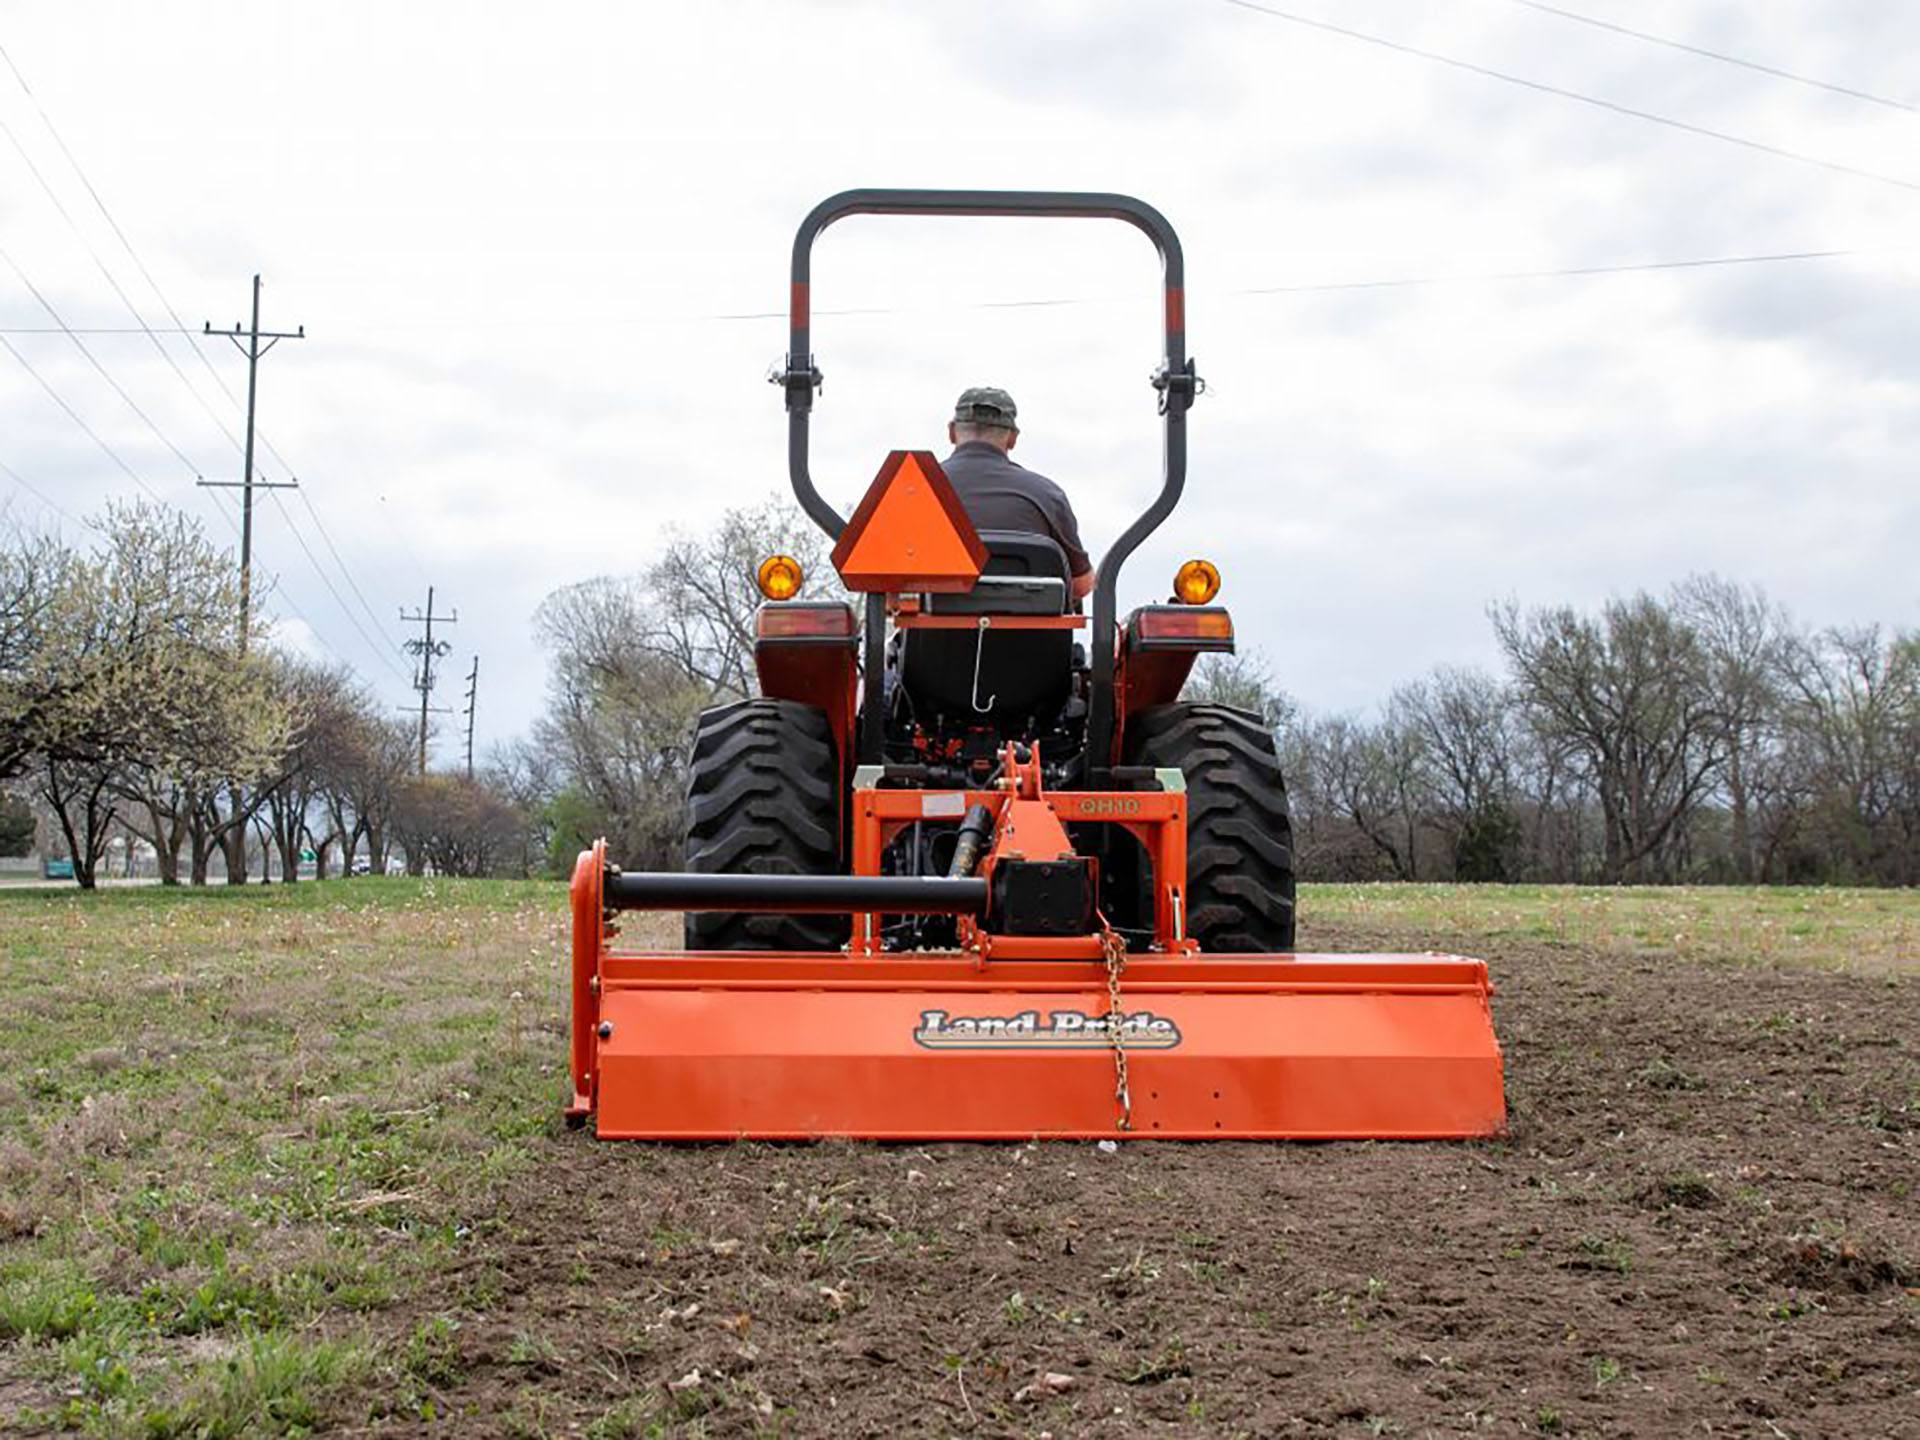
473 691
246 484
427 650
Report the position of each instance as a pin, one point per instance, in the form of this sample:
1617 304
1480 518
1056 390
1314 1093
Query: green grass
1866 930
237 1126
245 1133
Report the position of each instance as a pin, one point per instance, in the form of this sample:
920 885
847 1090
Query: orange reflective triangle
910 532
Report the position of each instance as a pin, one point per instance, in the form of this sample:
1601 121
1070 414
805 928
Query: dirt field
271 1163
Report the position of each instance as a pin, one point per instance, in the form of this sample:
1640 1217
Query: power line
93 330
141 326
37 493
1721 56
1569 272
94 360
334 550
114 456
93 253
1055 301
1542 87
151 332
179 325
373 645
1390 283
75 416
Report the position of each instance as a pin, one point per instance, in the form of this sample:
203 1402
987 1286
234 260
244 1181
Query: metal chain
1114 948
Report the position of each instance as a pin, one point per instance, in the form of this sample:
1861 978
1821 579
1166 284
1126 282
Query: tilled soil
1702 1222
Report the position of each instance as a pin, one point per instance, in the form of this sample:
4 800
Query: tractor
970 867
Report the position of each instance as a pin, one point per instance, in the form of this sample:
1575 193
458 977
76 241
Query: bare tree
695 605
458 827
326 706
1628 689
1243 681
1368 775
619 716
1856 703
528 778
1743 638
378 758
1464 732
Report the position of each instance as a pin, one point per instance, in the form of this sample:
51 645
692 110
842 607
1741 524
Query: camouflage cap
985 405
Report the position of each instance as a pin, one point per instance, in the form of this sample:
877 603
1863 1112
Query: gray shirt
1001 495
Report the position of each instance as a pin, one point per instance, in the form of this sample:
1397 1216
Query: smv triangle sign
910 532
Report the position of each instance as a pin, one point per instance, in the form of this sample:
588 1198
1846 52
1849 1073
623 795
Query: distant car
362 865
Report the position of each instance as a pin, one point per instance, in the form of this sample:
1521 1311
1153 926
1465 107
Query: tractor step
941 1047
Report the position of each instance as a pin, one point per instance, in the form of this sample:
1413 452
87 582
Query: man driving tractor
999 494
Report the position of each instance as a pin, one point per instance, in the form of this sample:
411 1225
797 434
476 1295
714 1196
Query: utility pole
473 691
428 650
246 484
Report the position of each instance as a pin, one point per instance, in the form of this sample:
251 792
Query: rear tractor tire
1240 890
763 798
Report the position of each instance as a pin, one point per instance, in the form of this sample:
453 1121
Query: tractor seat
1027 674
1004 595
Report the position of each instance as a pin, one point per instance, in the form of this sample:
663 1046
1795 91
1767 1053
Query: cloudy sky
529 245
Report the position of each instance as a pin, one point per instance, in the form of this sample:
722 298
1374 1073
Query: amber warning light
780 577
1196 582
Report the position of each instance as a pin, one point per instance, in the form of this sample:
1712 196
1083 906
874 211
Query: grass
1872 931
237 1126
246 1134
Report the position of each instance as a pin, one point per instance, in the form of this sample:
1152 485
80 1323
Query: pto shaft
796 894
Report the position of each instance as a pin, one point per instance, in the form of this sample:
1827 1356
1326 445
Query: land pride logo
1060 1030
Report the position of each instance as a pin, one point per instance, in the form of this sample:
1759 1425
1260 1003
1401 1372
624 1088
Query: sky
540 255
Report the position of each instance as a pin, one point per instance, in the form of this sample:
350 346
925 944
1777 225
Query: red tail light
804 622
1187 626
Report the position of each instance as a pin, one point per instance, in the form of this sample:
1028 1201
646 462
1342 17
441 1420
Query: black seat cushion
1004 595
1018 552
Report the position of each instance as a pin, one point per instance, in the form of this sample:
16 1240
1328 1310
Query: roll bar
1175 380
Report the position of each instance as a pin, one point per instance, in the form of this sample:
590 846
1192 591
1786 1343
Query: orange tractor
969 867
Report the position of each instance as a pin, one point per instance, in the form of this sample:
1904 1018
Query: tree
144 655
1855 709
1462 727
458 827
234 718
1743 638
1245 683
326 707
694 607
17 827
1628 691
1360 786
39 596
525 776
619 716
